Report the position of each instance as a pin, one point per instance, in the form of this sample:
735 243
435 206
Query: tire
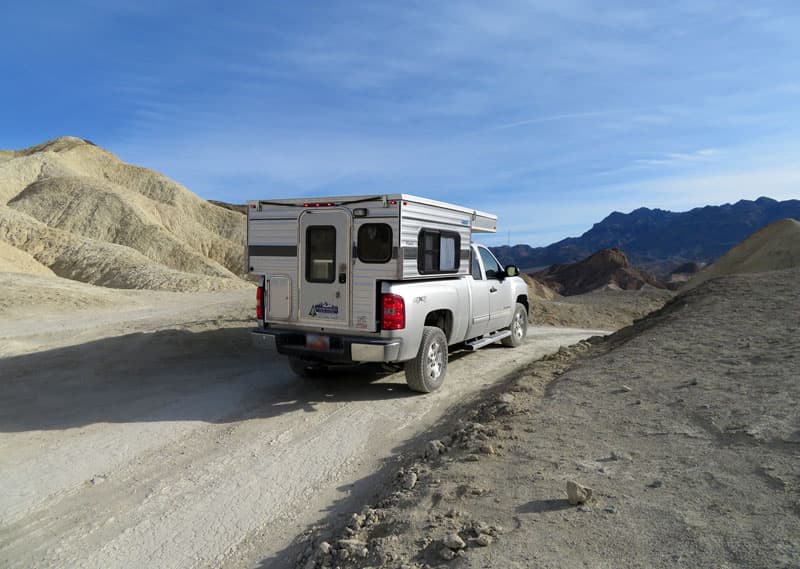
519 327
426 372
306 369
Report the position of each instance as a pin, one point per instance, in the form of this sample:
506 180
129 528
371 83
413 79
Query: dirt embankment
775 247
684 427
608 309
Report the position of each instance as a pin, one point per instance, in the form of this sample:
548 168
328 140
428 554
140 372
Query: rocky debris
447 554
375 537
578 494
454 541
354 547
506 398
620 456
434 449
656 484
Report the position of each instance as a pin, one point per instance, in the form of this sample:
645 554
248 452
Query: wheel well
441 319
523 300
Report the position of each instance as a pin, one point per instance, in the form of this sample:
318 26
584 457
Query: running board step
486 340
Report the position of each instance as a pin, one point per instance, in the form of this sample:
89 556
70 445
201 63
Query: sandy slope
685 426
774 247
88 216
18 261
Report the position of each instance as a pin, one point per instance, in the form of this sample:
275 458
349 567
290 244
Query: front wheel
519 327
425 373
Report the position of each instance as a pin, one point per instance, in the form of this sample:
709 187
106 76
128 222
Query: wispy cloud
567 116
704 155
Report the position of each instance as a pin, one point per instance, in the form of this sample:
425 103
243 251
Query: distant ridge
647 235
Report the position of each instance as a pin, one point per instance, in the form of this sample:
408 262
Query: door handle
492 289
342 278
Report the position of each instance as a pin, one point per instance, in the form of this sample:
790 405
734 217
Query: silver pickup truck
394 279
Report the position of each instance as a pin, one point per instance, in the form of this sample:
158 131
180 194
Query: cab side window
475 268
490 264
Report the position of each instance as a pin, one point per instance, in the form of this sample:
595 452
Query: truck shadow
210 375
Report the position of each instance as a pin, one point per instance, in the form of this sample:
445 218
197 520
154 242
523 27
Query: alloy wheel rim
434 360
518 326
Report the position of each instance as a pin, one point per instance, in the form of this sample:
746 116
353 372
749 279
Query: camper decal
324 310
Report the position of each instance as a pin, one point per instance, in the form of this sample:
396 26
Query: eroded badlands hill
76 210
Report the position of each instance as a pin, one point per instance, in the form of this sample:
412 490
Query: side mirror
512 271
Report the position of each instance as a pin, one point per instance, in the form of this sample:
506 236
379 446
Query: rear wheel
306 368
426 372
519 327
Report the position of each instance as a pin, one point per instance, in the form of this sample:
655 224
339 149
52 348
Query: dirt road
155 436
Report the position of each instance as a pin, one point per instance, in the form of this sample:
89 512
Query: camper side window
374 243
321 254
438 252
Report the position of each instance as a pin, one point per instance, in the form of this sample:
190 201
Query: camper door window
439 251
374 243
321 254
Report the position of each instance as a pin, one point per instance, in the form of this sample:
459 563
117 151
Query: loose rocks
410 480
577 494
454 541
435 448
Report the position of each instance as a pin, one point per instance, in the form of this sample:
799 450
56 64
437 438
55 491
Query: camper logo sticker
324 310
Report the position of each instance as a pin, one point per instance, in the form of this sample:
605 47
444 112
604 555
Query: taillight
394 312
260 303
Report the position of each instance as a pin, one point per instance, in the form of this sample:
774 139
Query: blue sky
550 114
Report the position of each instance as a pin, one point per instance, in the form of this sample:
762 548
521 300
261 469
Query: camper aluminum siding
273 250
273 246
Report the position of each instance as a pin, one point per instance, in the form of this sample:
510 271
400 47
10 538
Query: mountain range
658 239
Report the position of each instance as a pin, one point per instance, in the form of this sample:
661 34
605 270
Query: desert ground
144 430
684 426
140 428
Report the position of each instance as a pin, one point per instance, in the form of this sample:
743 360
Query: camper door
325 267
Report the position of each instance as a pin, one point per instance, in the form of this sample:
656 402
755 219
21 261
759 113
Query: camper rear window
374 243
438 251
321 254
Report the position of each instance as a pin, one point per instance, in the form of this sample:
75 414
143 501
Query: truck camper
382 278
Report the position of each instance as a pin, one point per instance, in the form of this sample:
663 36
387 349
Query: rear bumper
343 349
